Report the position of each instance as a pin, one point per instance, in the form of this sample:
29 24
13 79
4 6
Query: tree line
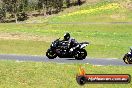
20 10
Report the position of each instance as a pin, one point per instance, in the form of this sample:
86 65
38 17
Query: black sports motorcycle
62 50
128 58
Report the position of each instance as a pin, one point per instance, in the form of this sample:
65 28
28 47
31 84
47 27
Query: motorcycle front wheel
127 59
80 54
50 54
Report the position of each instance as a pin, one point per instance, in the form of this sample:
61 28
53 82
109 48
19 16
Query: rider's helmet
66 36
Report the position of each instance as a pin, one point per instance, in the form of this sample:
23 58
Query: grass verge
106 40
52 75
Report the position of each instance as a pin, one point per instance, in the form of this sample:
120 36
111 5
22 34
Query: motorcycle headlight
52 44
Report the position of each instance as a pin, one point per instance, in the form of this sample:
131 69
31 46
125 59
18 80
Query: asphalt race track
94 61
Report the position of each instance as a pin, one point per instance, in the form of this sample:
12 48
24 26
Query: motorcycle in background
128 57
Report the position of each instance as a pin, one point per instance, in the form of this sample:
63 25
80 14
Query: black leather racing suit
72 44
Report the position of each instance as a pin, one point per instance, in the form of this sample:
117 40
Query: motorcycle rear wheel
50 54
80 54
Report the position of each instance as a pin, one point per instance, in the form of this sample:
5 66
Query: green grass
106 40
52 75
23 47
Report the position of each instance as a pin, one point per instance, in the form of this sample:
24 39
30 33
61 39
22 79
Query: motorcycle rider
72 42
130 50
